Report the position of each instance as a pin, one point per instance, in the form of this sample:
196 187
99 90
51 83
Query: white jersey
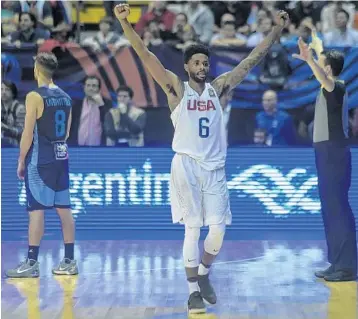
199 128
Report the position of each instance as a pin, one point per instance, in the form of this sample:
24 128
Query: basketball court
254 279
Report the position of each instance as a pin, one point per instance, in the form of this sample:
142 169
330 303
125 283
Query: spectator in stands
263 29
227 35
275 67
61 36
109 6
260 137
153 35
202 19
40 9
305 126
157 11
278 124
304 31
181 25
342 35
329 12
88 116
61 12
151 39
28 33
305 9
8 20
227 17
183 33
12 115
256 16
124 124
239 9
105 37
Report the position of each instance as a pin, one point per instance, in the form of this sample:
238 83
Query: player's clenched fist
282 18
121 11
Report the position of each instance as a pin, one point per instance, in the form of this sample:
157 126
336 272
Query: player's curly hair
195 49
47 62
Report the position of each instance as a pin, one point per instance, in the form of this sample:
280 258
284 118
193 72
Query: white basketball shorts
198 197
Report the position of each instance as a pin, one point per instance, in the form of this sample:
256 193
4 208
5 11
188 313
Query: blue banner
129 189
115 67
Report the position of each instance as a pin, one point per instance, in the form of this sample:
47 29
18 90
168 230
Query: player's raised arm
33 100
168 81
227 81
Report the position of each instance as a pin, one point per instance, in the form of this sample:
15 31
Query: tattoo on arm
225 89
171 90
240 72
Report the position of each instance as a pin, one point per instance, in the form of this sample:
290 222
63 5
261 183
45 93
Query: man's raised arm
168 81
227 81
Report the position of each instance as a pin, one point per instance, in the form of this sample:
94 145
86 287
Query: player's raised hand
305 51
121 11
282 19
316 43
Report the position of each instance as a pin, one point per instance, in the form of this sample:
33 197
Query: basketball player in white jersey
199 193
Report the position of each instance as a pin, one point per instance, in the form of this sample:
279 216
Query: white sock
203 270
193 286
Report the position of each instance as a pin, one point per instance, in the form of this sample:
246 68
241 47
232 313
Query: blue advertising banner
117 67
270 189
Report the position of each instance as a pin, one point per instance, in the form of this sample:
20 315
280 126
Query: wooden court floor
145 280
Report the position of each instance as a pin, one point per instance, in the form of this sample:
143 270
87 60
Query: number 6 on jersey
203 129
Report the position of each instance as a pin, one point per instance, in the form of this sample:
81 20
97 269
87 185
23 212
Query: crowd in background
219 23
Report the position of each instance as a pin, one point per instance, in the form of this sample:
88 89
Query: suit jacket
76 116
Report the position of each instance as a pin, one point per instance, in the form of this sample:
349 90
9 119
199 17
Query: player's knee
65 215
214 239
191 252
37 216
192 234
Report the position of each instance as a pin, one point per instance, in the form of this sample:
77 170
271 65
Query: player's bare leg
68 265
191 262
212 246
30 267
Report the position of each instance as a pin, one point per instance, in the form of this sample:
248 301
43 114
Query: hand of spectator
122 108
40 42
17 43
282 19
121 11
244 29
305 51
162 26
97 98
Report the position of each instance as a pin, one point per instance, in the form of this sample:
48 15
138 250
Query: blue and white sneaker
66 267
26 269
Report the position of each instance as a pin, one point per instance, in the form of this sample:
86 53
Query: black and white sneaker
196 303
206 289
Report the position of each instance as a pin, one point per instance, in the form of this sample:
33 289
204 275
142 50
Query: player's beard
197 79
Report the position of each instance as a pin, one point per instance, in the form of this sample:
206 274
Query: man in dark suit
88 116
